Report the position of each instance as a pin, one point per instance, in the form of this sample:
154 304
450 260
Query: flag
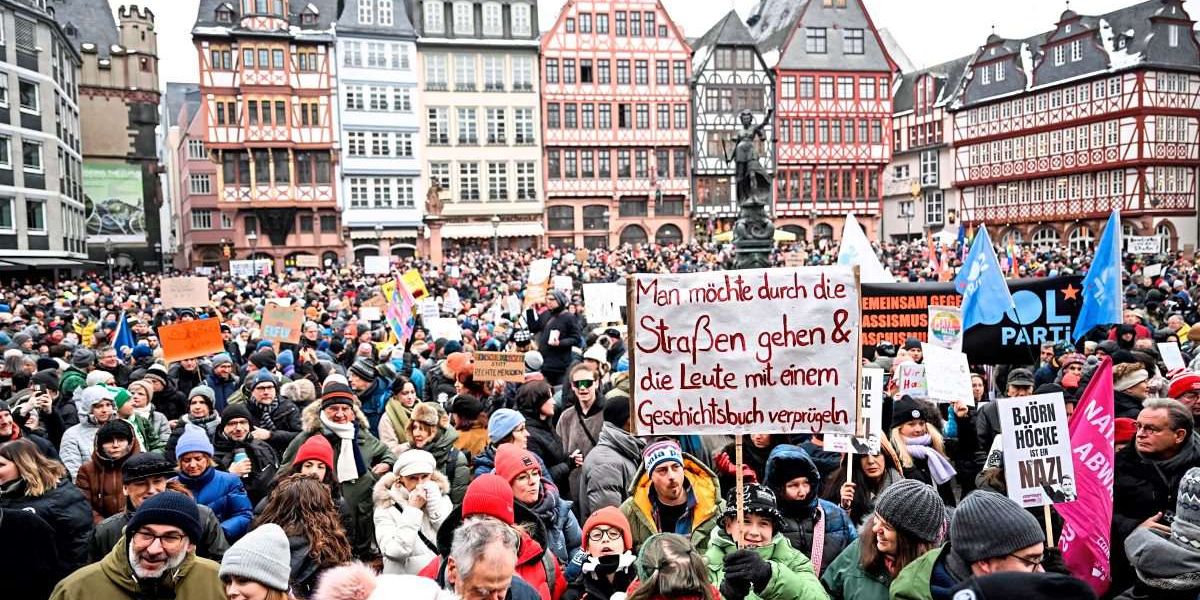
1011 250
856 250
1102 285
935 265
1087 521
981 283
123 338
961 241
399 310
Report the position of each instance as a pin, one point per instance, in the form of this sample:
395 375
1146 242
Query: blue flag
123 339
981 283
1102 286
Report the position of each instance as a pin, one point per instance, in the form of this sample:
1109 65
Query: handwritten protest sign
701 366
564 283
415 284
370 313
376 265
282 324
538 284
947 375
190 339
308 261
1143 244
872 419
183 292
500 366
444 327
945 327
1172 357
910 380
1038 468
602 302
429 310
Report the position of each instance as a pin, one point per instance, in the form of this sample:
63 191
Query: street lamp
252 237
108 248
379 238
495 235
162 264
907 213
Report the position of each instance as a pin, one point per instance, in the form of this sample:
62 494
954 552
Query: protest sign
947 375
282 324
190 339
1142 244
308 261
415 284
872 419
241 268
945 327
370 313
700 366
1152 270
538 284
794 259
1171 356
183 292
376 265
1038 469
378 301
581 255
602 302
444 327
499 366
564 283
1046 310
428 310
910 380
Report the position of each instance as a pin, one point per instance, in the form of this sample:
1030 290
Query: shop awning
387 234
484 230
45 262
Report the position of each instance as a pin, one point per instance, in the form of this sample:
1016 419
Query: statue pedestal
434 224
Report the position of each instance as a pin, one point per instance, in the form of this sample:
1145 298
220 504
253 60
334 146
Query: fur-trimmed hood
385 495
310 417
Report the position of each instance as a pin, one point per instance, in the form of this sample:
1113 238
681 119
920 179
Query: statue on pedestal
754 233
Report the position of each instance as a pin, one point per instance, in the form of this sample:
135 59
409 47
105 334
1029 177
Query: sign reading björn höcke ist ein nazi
758 350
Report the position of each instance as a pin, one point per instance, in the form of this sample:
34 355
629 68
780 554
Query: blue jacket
373 400
785 463
222 390
223 493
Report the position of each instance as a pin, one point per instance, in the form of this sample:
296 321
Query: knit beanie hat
1124 429
413 462
145 465
489 494
907 409
612 517
47 378
204 392
661 452
82 358
757 499
914 508
1130 379
263 359
262 376
263 555
364 368
119 396
222 358
157 371
99 377
337 393
987 525
143 385
141 351
466 406
1183 383
533 361
1185 531
315 448
286 359
90 395
168 508
114 428
237 411
1027 586
616 411
512 460
502 423
194 439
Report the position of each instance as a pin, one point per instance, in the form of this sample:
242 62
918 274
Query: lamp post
162 263
108 257
379 238
495 235
607 214
907 213
252 237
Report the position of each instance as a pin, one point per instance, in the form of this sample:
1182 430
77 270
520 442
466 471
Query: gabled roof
89 22
771 22
327 14
729 31
401 21
180 97
777 23
947 77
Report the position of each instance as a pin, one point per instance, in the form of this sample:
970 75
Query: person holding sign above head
917 438
818 528
752 559
871 475
672 493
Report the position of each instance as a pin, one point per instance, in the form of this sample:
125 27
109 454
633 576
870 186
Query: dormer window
224 14
521 20
435 21
464 18
308 18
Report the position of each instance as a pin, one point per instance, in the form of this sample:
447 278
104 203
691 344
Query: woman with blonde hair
32 482
669 568
141 394
303 508
916 437
257 566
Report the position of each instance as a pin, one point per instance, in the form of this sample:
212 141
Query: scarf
347 462
400 418
939 468
264 414
1172 469
145 412
546 507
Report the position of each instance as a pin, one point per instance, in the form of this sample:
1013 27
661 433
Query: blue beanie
263 376
168 508
502 423
194 439
142 351
452 346
286 359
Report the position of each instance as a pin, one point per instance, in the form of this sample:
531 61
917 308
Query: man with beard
278 418
238 452
155 558
673 493
223 380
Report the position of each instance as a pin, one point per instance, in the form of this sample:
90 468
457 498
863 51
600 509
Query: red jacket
533 565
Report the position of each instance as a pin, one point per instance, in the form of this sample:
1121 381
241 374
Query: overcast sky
929 31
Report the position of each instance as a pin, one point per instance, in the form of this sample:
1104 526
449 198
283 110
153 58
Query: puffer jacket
792 576
224 494
704 505
77 444
112 579
100 480
845 578
800 517
545 443
264 463
65 509
609 469
443 451
405 534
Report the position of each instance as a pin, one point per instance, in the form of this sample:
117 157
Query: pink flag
1087 521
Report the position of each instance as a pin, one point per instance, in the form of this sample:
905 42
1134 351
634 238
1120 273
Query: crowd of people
348 466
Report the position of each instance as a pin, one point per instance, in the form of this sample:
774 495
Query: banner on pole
1038 468
872 412
703 367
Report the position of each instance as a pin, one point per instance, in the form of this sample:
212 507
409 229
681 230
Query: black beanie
236 411
168 508
145 465
263 359
114 428
1027 586
616 411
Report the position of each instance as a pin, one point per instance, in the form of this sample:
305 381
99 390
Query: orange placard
191 339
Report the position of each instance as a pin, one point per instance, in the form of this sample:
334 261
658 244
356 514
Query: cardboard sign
370 313
500 366
1038 467
794 259
190 339
376 265
872 419
602 302
703 367
1142 244
415 284
308 261
282 324
1172 358
183 292
538 285
945 327
564 283
376 301
1152 270
581 255
444 327
947 375
910 380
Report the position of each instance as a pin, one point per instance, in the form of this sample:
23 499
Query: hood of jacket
101 458
310 418
622 442
793 461
703 484
384 495
1161 563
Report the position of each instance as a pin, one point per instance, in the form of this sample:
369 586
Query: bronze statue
754 233
433 200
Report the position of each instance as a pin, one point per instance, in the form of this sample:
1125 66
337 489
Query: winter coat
472 441
443 451
147 433
65 509
356 493
29 569
556 359
224 494
101 482
405 534
263 463
704 505
159 427
171 402
563 535
579 432
222 389
186 380
1125 405
77 445
609 469
211 545
800 518
792 576
287 419
393 427
373 400
931 576
209 425
112 579
545 443
1166 569
845 578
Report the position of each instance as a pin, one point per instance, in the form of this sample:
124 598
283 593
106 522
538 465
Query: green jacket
792 575
638 508
148 433
112 579
912 583
846 580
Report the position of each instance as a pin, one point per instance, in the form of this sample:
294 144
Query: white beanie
413 462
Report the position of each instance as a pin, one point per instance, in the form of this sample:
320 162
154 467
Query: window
202 218
493 24
200 184
999 72
568 74
385 12
662 72
585 22
635 24
196 150
681 116
649 18
1173 36
560 218
435 18
520 19
552 70
35 215
806 87
522 79
404 145
468 181
493 73
852 41
681 164
381 192
439 174
30 100
31 156
814 40
846 88
605 116
570 25
307 60
523 126
553 115
356 143
435 71
602 24
220 58
929 167
631 208
401 100
662 163
328 224
1059 55
934 208
400 56
624 164
366 12
438 122
827 88
498 181
468 128
643 116
354 97
496 134
985 75
464 72
622 29
377 55
276 59
622 71
641 75
680 69
526 183
377 98
1076 50
464 18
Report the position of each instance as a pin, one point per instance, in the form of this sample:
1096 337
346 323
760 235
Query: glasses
598 534
167 540
582 384
1034 564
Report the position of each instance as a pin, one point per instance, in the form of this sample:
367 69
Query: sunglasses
582 384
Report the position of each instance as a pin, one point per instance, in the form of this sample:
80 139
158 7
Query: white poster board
444 327
376 265
428 309
1172 357
241 268
1142 244
947 375
564 283
1038 468
1152 270
370 313
945 327
183 292
872 411
602 302
702 366
910 380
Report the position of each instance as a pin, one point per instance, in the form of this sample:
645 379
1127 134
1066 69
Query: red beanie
315 448
612 517
1184 383
511 461
1125 428
489 495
